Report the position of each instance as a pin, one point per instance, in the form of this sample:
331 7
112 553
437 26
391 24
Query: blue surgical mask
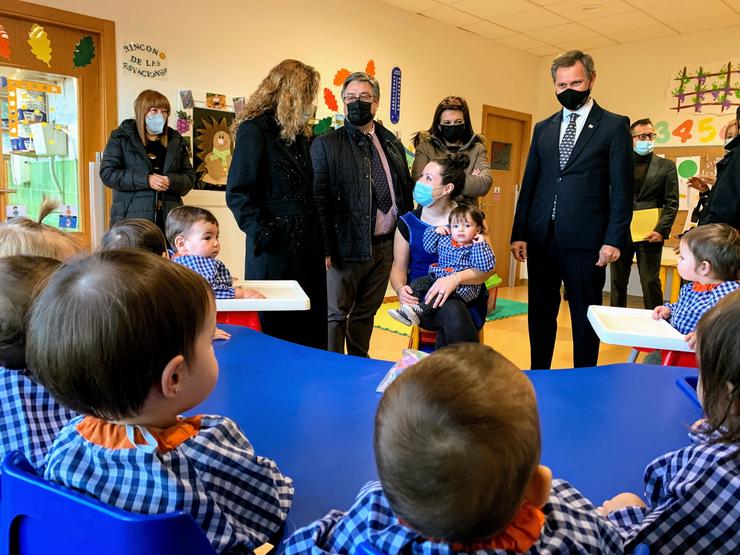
423 193
644 148
154 124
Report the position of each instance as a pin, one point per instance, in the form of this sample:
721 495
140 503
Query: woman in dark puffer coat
146 163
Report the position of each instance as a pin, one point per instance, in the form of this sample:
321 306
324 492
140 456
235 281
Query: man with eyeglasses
656 186
362 185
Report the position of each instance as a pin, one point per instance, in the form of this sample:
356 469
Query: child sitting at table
135 233
709 258
32 237
193 234
124 338
457 448
693 494
459 247
29 416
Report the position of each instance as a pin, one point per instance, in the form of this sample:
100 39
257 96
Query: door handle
8 191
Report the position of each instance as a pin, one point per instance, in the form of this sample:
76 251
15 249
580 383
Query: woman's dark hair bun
459 161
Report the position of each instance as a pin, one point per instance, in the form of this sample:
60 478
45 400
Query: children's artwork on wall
708 88
184 121
4 44
687 168
15 211
213 147
40 44
340 76
68 217
330 100
370 68
239 103
216 101
186 99
84 52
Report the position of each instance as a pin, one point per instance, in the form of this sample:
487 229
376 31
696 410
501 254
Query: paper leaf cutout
322 126
84 52
370 68
40 44
4 44
330 100
341 76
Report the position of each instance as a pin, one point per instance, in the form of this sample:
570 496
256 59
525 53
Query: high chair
39 517
668 358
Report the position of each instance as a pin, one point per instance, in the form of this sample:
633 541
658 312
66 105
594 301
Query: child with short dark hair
135 233
29 416
457 447
459 247
709 258
124 338
193 234
693 494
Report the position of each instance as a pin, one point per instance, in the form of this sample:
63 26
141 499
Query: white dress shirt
582 112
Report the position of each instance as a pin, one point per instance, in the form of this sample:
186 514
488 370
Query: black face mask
359 112
572 99
452 133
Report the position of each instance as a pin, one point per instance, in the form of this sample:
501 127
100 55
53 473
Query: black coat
125 168
269 191
660 190
594 190
343 188
724 204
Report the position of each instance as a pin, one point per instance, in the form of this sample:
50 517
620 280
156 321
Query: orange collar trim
113 436
520 535
457 245
703 287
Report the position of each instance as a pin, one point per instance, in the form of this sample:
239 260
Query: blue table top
312 412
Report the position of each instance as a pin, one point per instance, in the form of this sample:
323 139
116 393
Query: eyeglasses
365 97
646 136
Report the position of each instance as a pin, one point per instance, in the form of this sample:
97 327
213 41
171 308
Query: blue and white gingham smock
571 526
213 270
693 498
691 305
237 498
30 417
453 257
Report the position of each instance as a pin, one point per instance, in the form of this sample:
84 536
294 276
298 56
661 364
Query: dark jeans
452 322
648 265
420 286
355 292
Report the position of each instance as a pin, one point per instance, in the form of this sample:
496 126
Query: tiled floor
509 337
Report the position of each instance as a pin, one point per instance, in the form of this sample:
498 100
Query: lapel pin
590 125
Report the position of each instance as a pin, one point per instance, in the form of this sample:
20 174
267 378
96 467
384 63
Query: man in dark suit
656 186
574 209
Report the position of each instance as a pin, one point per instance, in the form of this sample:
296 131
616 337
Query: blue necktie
569 140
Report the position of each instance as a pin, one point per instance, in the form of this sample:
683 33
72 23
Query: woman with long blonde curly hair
270 192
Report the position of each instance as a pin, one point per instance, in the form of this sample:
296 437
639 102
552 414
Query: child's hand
442 230
480 238
221 334
620 502
690 339
243 293
661 313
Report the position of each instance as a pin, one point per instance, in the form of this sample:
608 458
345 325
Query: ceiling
547 27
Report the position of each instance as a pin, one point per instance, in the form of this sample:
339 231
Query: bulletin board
707 158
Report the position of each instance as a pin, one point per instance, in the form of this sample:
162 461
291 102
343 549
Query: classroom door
58 106
507 138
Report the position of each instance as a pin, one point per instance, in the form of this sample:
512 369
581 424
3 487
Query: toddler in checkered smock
124 338
692 496
193 234
709 258
459 247
457 447
29 416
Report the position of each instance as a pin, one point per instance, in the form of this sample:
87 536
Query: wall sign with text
144 60
699 130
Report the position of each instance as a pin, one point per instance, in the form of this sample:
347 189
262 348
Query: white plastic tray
635 328
279 295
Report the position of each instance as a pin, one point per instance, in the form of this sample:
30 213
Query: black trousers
648 264
549 266
421 286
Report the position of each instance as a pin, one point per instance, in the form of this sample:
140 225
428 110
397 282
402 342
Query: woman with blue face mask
146 163
436 192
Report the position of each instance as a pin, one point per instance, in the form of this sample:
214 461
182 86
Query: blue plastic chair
39 517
